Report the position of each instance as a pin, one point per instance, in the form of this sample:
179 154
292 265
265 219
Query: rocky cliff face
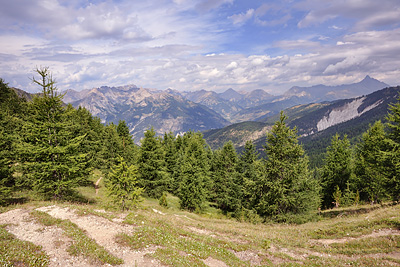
175 111
345 113
144 108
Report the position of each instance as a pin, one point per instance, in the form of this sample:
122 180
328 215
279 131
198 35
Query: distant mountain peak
318 93
231 95
230 91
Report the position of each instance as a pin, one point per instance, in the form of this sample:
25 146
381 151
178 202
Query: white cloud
177 44
232 65
242 17
297 44
367 14
207 5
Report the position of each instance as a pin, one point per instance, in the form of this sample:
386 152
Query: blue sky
194 44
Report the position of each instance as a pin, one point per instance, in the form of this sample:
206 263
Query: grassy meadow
365 235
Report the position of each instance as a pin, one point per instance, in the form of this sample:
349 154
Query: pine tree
122 185
337 196
52 162
111 148
5 169
228 184
248 170
152 168
171 156
371 164
129 150
337 169
286 188
192 190
12 115
393 153
193 172
93 130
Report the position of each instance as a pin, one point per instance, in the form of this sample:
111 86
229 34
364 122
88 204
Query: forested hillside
316 123
50 149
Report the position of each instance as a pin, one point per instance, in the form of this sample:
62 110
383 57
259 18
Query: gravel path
55 243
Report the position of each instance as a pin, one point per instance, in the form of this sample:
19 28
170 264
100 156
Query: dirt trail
51 238
104 231
55 243
383 232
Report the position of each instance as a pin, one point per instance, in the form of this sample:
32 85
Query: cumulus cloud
368 14
242 17
265 15
178 44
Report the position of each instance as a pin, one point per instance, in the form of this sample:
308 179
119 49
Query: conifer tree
393 153
193 172
90 126
226 178
5 169
12 115
171 157
248 163
52 162
151 162
111 147
12 110
122 184
129 150
286 188
371 164
192 188
337 169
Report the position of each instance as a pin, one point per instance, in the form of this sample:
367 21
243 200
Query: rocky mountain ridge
143 108
316 123
319 93
171 110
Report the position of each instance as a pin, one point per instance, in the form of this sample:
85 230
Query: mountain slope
142 108
230 103
231 95
317 123
305 95
238 133
214 101
255 98
321 92
374 107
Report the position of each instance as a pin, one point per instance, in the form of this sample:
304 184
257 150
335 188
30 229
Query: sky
191 45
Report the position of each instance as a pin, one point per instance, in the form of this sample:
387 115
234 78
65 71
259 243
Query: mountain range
316 123
144 108
176 111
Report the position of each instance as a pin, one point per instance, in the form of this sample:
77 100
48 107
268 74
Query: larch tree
286 189
247 167
111 148
12 115
171 153
122 185
193 172
337 169
227 182
51 160
129 150
90 126
370 164
5 169
393 153
153 177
